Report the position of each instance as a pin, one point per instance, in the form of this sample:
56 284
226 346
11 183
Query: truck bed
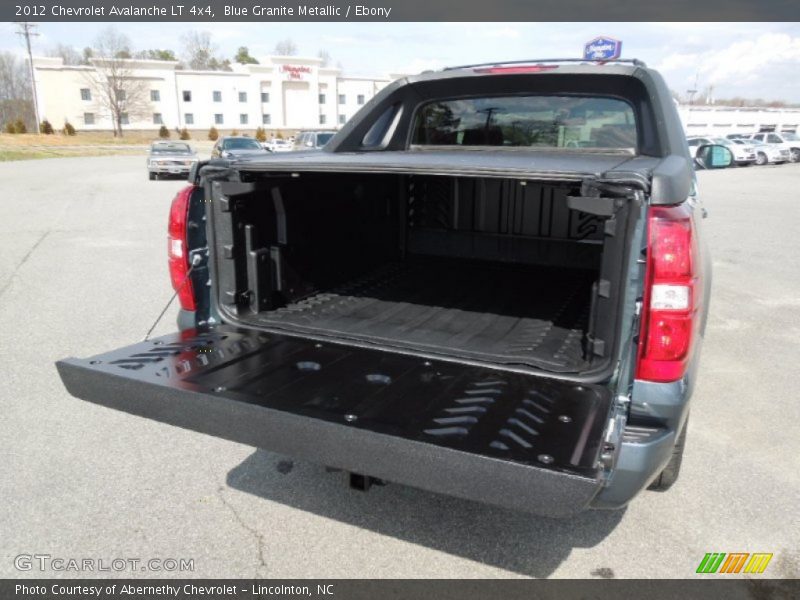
507 314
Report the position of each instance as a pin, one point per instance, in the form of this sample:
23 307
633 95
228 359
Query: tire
152 176
795 155
761 159
669 475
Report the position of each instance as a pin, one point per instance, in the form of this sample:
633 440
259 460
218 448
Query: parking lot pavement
83 270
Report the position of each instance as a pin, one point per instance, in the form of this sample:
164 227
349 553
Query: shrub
185 134
163 132
213 134
235 132
261 135
68 129
279 136
19 126
9 128
45 127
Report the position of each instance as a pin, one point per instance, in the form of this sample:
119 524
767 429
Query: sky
751 60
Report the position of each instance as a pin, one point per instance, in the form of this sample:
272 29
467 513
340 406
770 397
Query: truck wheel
761 159
670 473
152 176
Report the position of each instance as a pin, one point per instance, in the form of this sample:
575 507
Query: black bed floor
508 314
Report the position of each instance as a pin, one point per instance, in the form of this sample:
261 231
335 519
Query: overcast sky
739 59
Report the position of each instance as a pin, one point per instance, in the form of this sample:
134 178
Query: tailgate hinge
612 440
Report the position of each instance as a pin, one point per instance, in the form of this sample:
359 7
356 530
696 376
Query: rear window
527 121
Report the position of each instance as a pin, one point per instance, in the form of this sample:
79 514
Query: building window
88 118
157 120
360 99
120 94
242 96
86 94
322 119
266 119
342 99
123 119
342 119
243 119
217 96
187 95
264 97
155 96
188 118
322 98
218 119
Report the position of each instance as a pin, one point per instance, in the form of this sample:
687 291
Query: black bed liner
502 437
503 314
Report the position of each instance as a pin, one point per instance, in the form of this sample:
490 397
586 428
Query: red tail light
177 248
515 69
671 298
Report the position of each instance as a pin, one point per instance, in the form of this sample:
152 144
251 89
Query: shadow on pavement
516 541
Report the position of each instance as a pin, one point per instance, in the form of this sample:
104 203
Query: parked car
312 140
232 146
450 295
786 141
766 153
278 145
170 158
743 155
737 136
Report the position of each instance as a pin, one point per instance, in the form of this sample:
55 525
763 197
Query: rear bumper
170 380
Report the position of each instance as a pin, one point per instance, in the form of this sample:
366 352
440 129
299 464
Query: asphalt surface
83 270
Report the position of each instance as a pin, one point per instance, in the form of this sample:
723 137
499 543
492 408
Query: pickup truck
492 283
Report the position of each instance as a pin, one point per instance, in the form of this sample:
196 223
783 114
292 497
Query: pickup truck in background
491 283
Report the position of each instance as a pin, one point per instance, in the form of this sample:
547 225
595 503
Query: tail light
672 296
514 69
178 250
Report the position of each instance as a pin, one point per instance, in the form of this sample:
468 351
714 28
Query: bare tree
16 100
68 54
116 88
286 48
325 57
200 52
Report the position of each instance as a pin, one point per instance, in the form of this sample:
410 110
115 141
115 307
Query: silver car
170 158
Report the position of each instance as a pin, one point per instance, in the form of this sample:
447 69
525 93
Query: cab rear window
535 121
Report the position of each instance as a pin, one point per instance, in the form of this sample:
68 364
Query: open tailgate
501 437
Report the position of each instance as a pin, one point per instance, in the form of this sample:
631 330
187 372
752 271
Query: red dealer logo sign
294 71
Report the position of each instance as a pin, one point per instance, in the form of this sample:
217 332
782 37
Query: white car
743 155
765 153
785 141
278 145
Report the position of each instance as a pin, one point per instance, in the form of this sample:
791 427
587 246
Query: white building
283 93
723 120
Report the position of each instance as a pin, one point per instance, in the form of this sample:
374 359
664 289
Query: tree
16 98
157 54
286 48
325 56
117 89
243 57
200 53
88 54
68 54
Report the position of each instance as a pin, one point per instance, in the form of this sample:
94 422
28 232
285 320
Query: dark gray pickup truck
491 283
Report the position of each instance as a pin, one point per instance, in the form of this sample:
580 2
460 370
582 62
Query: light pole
27 30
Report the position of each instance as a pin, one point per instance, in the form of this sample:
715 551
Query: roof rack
633 61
